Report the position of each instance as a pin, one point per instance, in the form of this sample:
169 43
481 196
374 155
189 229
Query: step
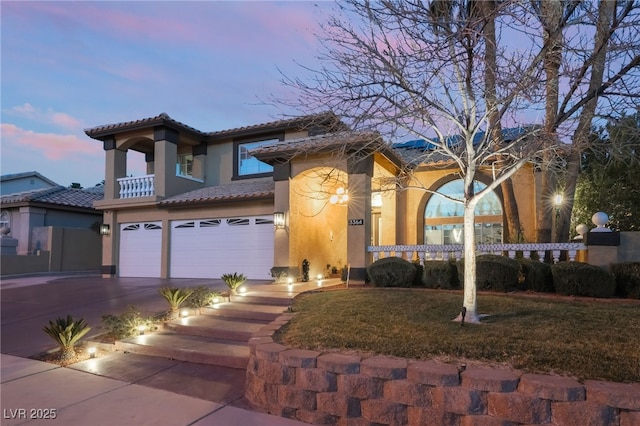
198 349
244 311
257 298
217 327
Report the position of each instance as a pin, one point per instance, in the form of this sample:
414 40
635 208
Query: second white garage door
212 247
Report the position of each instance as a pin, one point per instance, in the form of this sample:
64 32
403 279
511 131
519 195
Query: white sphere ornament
600 219
582 229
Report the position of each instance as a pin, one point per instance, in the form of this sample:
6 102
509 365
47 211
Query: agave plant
67 332
175 297
233 281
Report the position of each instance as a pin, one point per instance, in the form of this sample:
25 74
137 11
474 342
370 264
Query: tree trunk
551 17
606 11
513 231
470 291
67 354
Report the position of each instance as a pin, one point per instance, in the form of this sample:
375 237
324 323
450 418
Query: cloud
50 145
59 119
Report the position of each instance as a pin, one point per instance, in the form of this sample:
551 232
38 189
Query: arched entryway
318 219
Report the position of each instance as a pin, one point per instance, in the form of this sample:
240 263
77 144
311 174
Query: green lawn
587 340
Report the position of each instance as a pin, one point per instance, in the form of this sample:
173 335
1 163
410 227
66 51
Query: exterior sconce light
340 197
278 219
105 229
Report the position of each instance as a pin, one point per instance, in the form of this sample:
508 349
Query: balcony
139 186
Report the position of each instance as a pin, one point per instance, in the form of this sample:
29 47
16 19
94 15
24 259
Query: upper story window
4 220
248 166
184 166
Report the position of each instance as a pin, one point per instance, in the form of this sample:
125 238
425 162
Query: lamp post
557 203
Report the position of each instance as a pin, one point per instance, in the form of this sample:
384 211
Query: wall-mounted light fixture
340 197
278 219
105 229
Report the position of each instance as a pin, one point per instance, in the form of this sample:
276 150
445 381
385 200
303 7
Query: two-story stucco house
271 195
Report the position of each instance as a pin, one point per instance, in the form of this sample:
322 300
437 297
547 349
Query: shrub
582 279
201 296
279 274
67 332
627 279
417 280
439 274
392 272
537 275
494 272
175 297
126 324
233 281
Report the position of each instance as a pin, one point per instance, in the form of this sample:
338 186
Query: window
443 218
184 167
247 165
4 220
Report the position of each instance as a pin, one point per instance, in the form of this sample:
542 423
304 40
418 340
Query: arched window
443 218
4 219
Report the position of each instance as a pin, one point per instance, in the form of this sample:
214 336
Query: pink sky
67 66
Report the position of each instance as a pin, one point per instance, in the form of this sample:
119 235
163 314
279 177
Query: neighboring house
21 182
269 196
56 206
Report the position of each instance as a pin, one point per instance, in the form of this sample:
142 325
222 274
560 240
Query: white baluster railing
425 253
139 186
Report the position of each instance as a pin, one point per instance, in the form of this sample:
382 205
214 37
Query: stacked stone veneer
347 389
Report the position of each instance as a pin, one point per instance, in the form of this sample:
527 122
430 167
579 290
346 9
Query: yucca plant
67 332
175 297
233 281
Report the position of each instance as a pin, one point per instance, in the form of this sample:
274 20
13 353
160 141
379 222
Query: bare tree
592 72
447 72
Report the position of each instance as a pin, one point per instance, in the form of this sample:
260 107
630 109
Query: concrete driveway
27 304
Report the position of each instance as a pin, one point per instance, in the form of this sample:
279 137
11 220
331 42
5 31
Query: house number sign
355 222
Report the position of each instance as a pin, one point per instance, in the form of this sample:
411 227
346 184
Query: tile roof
161 119
343 140
228 192
14 176
344 143
321 119
58 195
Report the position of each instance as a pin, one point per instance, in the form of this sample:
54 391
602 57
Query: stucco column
359 216
282 246
115 167
30 217
110 244
165 160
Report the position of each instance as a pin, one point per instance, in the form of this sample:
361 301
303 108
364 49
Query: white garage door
212 247
140 249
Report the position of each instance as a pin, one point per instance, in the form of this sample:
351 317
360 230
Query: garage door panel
140 249
214 247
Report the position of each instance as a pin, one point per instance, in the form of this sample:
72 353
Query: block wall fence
352 389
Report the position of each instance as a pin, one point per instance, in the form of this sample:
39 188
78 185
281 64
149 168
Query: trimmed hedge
440 274
392 272
582 279
537 275
627 279
494 272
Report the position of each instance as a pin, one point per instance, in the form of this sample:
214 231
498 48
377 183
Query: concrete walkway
35 392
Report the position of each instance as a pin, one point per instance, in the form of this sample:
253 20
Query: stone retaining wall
336 388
